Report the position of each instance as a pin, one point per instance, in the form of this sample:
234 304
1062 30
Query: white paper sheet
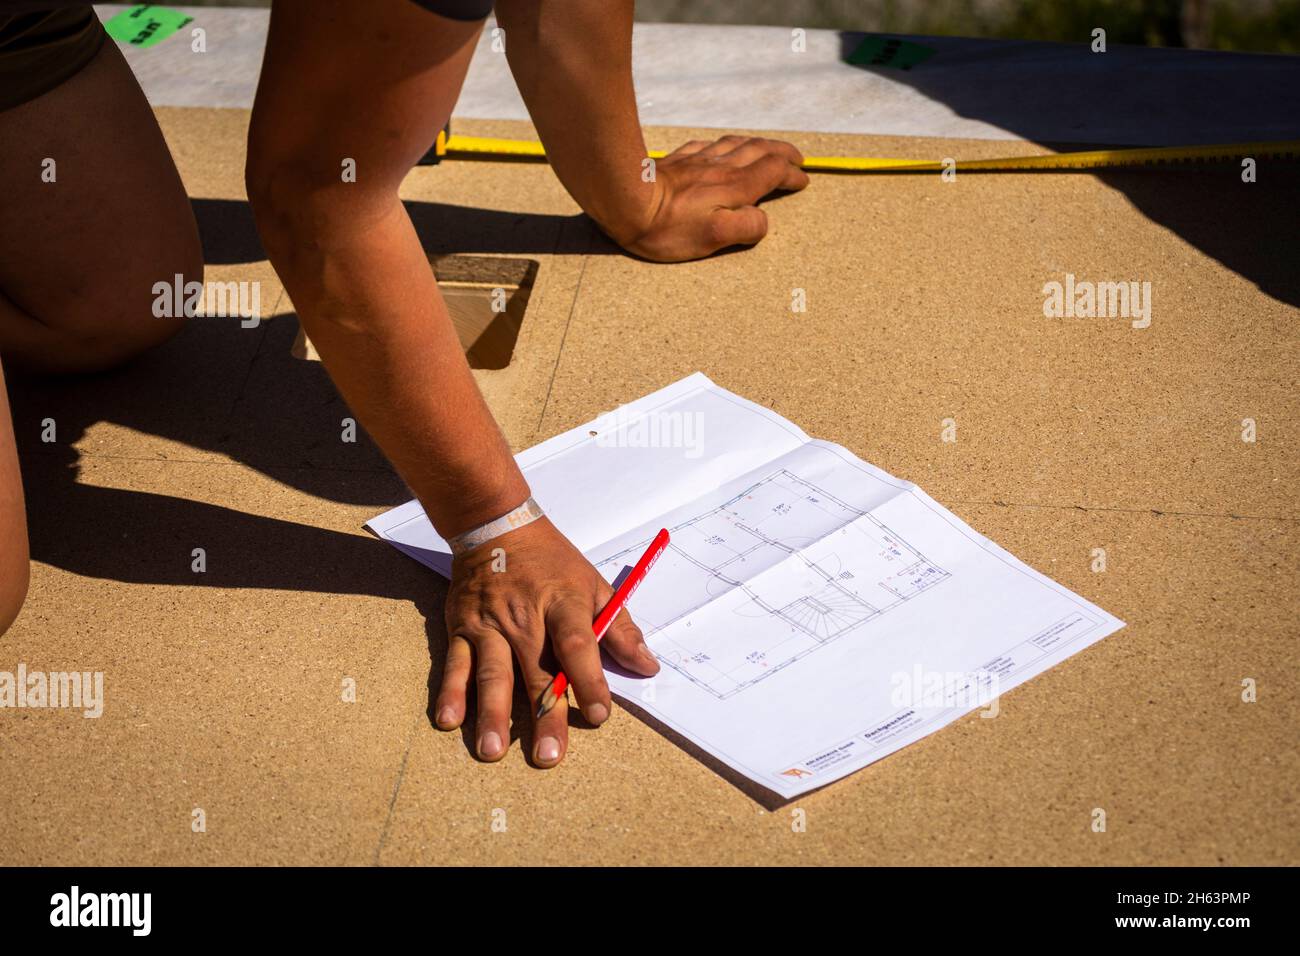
812 613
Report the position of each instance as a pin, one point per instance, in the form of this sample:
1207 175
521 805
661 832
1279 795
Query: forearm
367 297
572 62
364 87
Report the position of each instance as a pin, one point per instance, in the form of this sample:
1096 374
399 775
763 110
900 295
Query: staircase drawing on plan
851 568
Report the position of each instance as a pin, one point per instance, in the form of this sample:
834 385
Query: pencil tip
548 700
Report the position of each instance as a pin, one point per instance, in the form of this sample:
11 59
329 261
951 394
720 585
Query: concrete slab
753 78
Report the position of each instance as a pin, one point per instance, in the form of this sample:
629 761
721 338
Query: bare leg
13 522
79 256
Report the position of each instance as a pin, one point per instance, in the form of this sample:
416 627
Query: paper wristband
526 513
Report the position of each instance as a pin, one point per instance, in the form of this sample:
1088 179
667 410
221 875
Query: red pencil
606 617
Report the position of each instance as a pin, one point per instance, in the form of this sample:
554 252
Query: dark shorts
458 9
40 50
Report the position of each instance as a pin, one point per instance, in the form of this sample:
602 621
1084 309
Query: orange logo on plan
795 772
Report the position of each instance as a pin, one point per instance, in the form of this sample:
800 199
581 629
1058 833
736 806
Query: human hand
538 608
704 197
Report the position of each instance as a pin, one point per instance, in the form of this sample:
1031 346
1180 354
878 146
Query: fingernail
597 713
548 750
489 745
648 654
447 717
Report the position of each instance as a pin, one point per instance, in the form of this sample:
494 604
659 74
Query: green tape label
888 51
145 24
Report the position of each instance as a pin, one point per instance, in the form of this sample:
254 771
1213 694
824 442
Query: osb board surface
924 303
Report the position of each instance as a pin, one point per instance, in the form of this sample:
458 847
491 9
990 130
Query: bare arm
348 81
373 83
572 62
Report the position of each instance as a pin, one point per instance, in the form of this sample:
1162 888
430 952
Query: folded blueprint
812 613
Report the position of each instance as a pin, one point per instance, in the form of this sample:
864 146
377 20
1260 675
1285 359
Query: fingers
568 624
778 170
743 150
456 670
724 144
710 194
686 149
736 227
751 149
794 179
626 644
765 174
759 166
551 730
495 678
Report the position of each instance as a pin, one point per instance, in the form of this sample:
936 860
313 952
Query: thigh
13 522
94 215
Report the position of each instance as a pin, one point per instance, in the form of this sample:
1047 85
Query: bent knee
112 347
126 322
110 320
120 336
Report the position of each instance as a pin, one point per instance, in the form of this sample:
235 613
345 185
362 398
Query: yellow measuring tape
485 148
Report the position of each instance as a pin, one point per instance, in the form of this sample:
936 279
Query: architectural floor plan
731 546
811 613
